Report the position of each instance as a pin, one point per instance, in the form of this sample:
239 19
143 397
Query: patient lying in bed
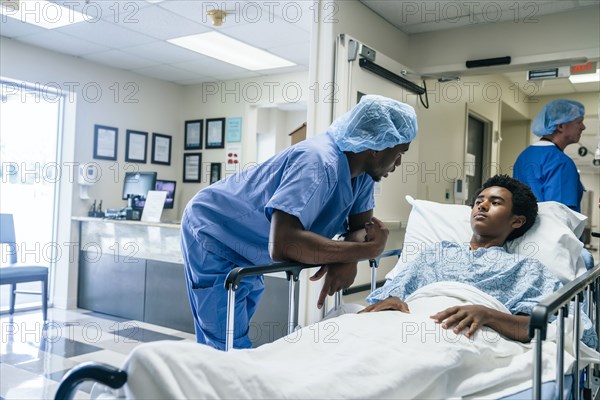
390 354
503 210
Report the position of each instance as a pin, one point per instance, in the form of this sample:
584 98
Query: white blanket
373 355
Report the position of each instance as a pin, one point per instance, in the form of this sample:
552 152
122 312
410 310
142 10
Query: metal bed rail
292 270
95 371
558 303
115 378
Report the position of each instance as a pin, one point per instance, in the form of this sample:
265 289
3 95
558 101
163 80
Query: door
475 153
30 122
353 82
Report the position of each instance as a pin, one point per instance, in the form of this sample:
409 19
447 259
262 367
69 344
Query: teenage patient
504 209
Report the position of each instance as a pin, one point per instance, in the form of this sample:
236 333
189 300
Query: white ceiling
132 34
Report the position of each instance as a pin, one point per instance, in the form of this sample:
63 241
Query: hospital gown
519 284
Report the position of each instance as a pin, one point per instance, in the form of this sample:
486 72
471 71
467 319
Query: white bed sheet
373 355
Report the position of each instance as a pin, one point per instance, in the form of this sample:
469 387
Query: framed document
105 142
191 167
161 149
234 130
215 172
135 146
215 133
193 134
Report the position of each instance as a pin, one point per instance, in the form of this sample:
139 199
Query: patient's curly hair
524 201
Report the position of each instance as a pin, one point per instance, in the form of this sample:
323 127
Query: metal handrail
545 309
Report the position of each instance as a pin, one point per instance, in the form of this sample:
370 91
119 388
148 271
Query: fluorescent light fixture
224 48
42 13
586 78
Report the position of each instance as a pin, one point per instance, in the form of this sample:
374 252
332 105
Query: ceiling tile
105 33
163 24
300 14
119 59
240 12
111 11
298 53
62 43
267 34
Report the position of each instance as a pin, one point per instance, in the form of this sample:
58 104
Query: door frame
486 162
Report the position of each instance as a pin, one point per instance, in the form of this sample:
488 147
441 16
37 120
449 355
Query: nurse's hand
377 232
339 276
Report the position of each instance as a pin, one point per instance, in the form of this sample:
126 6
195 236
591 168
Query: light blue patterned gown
519 284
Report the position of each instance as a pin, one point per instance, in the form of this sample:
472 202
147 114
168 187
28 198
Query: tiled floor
34 358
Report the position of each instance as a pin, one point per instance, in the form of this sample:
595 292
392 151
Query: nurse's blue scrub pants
205 278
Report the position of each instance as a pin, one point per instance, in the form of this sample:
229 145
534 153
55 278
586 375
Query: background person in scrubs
289 208
543 166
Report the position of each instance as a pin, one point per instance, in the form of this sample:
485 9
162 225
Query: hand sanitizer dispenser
88 175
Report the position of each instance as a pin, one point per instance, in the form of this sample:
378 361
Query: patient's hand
339 276
470 318
473 317
391 303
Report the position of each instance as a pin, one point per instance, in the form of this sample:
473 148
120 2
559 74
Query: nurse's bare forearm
290 242
310 248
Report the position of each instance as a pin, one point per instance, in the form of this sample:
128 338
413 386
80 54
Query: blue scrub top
310 181
551 174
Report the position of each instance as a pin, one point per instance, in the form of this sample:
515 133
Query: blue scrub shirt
227 224
551 174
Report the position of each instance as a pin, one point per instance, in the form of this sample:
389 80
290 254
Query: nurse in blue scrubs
551 174
289 208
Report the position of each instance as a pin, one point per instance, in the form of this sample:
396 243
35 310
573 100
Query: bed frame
587 285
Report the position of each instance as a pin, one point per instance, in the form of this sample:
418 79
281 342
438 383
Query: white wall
515 135
237 98
95 95
273 130
442 128
526 38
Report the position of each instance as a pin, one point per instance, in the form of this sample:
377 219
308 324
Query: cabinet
112 285
134 288
134 270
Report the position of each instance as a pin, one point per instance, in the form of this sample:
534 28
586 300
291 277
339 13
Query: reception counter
133 270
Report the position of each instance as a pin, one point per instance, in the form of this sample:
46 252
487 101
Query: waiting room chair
14 273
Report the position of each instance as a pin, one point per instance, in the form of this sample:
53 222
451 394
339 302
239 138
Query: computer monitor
138 184
169 187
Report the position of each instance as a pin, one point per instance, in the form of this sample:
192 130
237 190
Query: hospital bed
585 288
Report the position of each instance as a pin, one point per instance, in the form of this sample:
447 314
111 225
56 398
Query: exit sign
587 68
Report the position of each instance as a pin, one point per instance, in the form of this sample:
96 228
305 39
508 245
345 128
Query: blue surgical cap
554 113
376 123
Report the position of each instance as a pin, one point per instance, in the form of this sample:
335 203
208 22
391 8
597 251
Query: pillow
553 238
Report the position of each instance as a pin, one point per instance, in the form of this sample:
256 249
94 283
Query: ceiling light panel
43 13
224 48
